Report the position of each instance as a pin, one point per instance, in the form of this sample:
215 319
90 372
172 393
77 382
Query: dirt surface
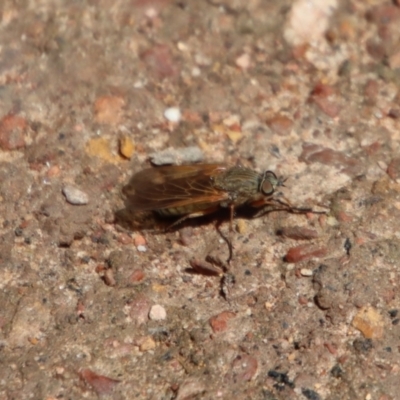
92 306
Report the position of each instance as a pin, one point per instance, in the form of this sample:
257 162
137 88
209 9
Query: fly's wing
174 186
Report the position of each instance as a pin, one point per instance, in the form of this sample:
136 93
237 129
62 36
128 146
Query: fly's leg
268 205
232 213
207 211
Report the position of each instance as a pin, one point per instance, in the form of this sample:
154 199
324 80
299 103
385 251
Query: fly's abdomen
181 210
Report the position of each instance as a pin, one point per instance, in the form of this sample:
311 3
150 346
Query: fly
191 191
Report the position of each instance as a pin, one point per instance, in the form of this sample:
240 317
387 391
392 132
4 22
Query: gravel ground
97 303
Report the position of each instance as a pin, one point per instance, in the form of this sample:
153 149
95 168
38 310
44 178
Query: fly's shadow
170 198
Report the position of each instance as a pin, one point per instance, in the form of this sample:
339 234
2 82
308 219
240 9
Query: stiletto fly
190 191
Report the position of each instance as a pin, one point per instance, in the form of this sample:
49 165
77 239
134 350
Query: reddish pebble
331 348
24 224
302 300
376 49
108 109
139 309
136 276
344 217
384 14
322 90
322 220
394 113
298 233
373 148
393 169
314 153
205 267
12 132
80 308
123 238
100 268
192 116
360 241
306 252
109 279
371 91
280 124
300 51
322 96
219 323
159 60
53 171
388 295
101 384
139 240
244 367
327 106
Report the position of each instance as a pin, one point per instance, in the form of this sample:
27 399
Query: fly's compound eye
269 183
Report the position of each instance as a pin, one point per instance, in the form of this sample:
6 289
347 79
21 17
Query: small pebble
219 323
126 146
74 195
136 276
124 238
183 155
109 279
241 226
109 110
369 322
305 252
139 308
53 171
306 272
140 243
173 114
243 61
147 344
196 72
12 132
139 240
157 313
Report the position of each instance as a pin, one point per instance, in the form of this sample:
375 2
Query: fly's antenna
281 181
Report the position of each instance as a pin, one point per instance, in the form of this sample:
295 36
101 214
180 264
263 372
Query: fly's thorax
241 184
244 185
238 180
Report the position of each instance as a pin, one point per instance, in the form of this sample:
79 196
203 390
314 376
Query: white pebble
157 313
243 61
173 114
306 272
141 248
196 72
308 20
184 155
74 195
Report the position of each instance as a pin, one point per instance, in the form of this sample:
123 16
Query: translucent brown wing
174 186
